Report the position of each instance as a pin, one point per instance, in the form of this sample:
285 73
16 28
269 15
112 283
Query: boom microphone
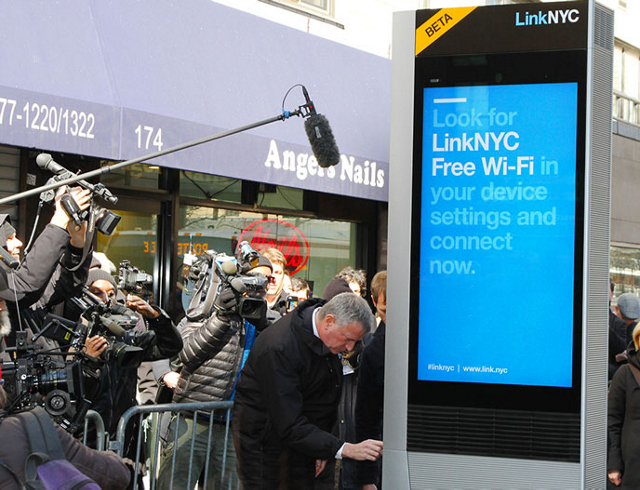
323 144
46 162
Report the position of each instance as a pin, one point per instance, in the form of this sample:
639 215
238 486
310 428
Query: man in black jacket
288 392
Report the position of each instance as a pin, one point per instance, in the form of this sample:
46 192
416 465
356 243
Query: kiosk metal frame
409 415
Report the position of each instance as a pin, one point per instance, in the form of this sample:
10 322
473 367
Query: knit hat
99 274
335 287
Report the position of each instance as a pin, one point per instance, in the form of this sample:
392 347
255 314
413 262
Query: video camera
113 322
105 221
215 272
53 379
134 281
56 379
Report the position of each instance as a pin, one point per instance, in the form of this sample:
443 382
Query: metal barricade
101 436
180 414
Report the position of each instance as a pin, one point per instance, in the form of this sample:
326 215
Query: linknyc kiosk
496 344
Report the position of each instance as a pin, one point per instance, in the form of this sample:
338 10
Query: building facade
124 80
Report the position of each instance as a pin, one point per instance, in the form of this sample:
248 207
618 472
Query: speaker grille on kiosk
498 433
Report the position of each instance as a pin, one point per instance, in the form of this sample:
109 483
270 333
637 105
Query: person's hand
615 477
369 450
77 233
226 300
141 306
95 346
82 197
171 379
320 464
369 486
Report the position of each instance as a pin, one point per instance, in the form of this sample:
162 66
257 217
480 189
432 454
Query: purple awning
118 80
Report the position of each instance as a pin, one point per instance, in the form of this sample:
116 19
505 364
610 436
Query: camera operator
105 468
50 271
215 346
157 339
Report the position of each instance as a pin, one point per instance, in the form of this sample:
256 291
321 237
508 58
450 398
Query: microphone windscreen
238 285
323 144
43 160
46 162
229 267
113 326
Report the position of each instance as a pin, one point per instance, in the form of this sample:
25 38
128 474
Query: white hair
347 308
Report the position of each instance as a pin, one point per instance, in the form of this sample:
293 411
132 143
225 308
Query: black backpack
46 468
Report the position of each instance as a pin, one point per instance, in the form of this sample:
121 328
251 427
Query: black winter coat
120 378
287 395
211 357
370 402
624 423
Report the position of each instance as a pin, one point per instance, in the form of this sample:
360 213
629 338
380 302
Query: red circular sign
279 234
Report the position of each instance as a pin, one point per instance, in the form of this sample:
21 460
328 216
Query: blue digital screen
497 234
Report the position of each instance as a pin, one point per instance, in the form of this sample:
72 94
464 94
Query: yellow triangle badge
436 26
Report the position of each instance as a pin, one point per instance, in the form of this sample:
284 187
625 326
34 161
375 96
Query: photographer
50 271
215 346
157 339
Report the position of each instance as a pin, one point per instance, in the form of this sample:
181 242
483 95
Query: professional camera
113 322
53 379
102 219
105 221
215 272
134 281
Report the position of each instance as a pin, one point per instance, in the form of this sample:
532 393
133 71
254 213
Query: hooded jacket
43 277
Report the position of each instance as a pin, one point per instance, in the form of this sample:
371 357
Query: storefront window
136 175
135 240
625 269
315 249
276 196
212 187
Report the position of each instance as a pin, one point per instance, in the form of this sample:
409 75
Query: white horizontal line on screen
449 101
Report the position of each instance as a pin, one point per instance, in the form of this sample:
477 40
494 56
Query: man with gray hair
289 390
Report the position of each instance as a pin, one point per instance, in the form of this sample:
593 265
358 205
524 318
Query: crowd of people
295 366
305 373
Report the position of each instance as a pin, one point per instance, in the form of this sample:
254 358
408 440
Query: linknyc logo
548 18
